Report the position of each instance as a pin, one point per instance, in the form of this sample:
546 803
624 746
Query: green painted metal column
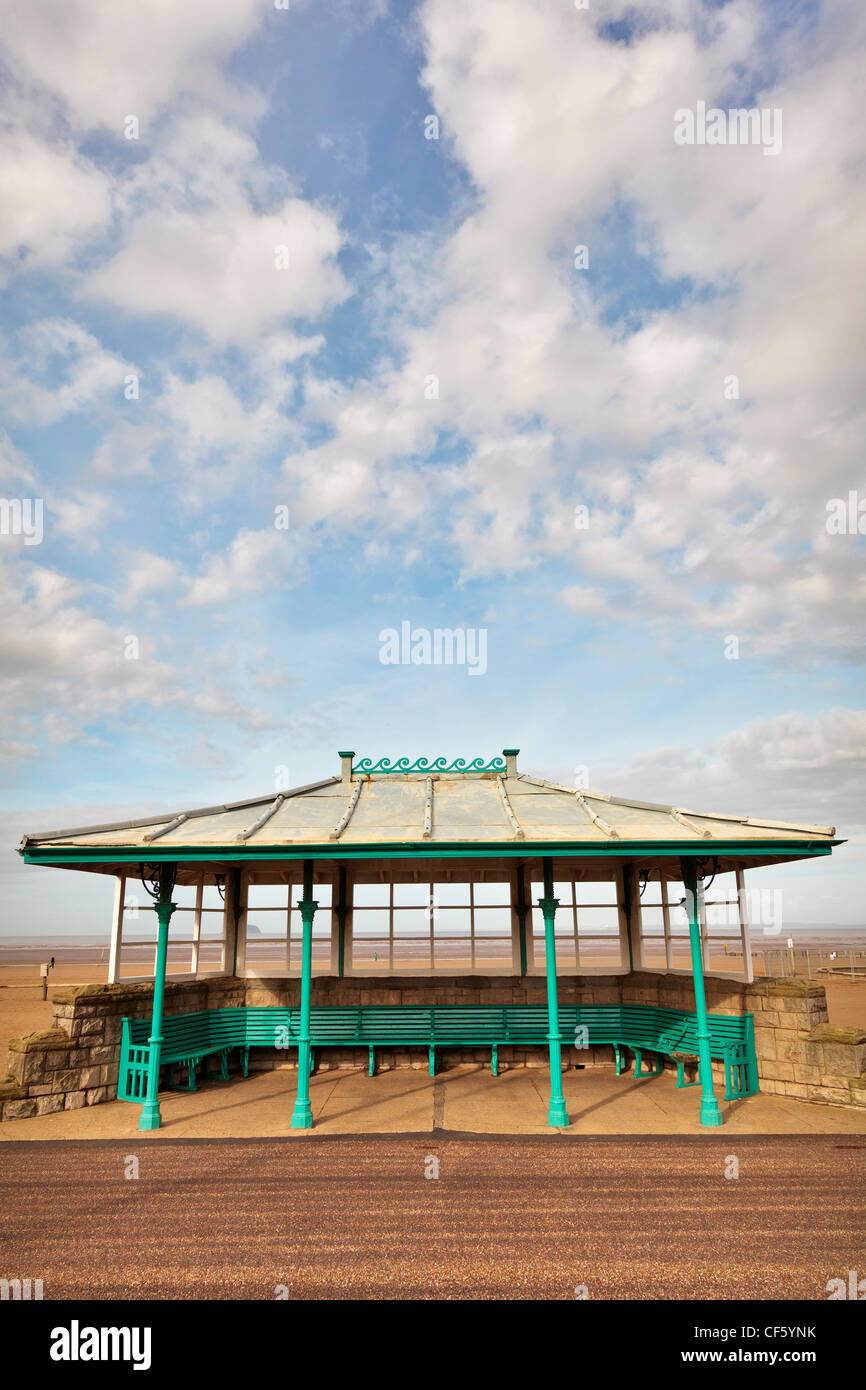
557 1115
711 1115
163 907
302 1116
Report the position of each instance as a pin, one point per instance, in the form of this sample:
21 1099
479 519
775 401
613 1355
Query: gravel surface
506 1217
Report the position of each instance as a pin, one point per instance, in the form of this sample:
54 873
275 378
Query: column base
150 1118
711 1115
557 1115
302 1115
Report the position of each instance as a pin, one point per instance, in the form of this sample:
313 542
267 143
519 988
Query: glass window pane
654 953
595 891
650 891
411 894
370 954
267 924
451 894
184 895
452 951
414 922
370 921
452 921
211 925
491 893
652 921
493 921
268 895
372 894
604 953
593 920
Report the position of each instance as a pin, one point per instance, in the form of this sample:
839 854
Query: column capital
548 906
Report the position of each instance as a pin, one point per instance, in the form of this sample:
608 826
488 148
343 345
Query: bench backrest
444 1024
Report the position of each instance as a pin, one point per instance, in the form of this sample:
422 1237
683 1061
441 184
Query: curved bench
190 1039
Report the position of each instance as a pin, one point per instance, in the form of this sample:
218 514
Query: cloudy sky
324 319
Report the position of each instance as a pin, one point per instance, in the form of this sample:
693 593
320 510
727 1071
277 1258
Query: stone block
97 1095
11 1090
40 1041
775 1071
845 1059
49 1105
67 1080
797 1089
56 1060
19 1109
104 1056
76 1100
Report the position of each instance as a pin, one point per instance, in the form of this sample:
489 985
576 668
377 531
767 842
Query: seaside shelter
437 876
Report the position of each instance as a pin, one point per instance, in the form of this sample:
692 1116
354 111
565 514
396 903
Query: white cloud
704 509
216 270
81 516
84 374
104 61
53 198
255 560
790 767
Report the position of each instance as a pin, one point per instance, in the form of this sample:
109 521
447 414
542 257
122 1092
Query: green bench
190 1039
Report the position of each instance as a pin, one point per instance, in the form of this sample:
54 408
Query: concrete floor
465 1099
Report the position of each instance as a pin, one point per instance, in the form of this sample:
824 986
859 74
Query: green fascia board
619 849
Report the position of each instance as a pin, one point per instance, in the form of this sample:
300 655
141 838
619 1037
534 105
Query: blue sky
413 260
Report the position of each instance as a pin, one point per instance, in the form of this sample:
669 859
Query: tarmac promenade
436 1217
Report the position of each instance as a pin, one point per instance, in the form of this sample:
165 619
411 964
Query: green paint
423 849
711 1115
150 1116
302 1117
384 766
557 1115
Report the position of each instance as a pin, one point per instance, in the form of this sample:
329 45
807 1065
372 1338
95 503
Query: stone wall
75 1063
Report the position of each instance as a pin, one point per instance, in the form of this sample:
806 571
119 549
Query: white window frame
536 963
194 941
739 931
